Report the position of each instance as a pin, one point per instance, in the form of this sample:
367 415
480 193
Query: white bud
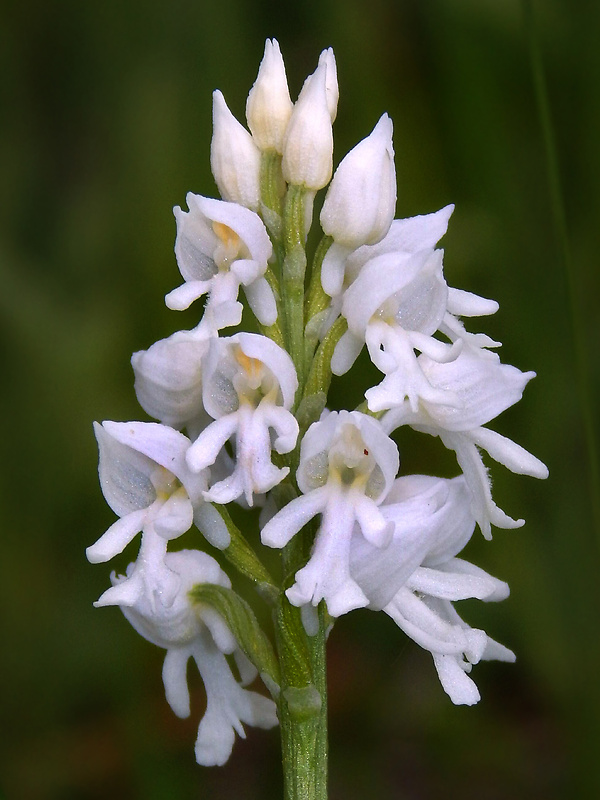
361 199
331 83
308 146
269 106
234 157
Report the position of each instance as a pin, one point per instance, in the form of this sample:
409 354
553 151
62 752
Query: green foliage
245 627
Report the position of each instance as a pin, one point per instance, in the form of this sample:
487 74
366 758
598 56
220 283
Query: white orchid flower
147 483
170 621
477 390
423 610
417 577
220 246
168 380
395 305
347 466
248 388
426 514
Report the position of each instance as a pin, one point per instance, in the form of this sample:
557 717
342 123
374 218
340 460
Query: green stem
302 703
317 645
292 283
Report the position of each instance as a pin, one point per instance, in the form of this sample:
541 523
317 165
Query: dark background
105 125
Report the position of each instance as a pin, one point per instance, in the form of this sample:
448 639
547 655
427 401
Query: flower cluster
257 429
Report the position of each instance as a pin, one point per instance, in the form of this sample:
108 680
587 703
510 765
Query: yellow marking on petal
251 366
228 249
226 234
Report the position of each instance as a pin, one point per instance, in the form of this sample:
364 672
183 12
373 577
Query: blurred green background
105 124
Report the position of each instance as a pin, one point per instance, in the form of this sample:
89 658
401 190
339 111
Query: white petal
507 452
346 352
466 304
183 296
117 537
262 301
159 443
333 268
246 270
458 686
175 517
243 222
432 522
327 576
497 652
230 488
219 630
175 680
204 451
212 526
485 386
285 425
448 583
484 509
375 528
228 705
275 358
417 233
425 626
124 472
292 517
124 593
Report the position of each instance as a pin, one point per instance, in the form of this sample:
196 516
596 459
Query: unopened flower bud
308 146
269 106
234 157
361 199
331 83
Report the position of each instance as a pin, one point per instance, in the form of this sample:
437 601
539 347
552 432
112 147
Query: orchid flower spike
248 389
220 246
347 466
